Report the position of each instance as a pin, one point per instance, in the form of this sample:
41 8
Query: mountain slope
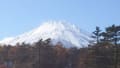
59 31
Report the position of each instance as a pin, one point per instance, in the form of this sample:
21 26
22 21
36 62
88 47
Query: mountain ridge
58 31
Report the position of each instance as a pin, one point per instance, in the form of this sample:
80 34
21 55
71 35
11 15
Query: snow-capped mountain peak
59 31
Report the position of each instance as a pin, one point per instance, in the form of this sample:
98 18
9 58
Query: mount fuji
68 34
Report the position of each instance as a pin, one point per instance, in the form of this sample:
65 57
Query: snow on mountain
66 33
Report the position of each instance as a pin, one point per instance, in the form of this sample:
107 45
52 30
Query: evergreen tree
97 34
114 33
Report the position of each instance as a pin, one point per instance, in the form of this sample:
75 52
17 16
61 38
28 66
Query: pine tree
97 34
114 33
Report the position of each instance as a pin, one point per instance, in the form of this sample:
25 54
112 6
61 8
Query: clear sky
18 16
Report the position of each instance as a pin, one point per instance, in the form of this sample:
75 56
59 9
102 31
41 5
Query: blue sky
18 16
